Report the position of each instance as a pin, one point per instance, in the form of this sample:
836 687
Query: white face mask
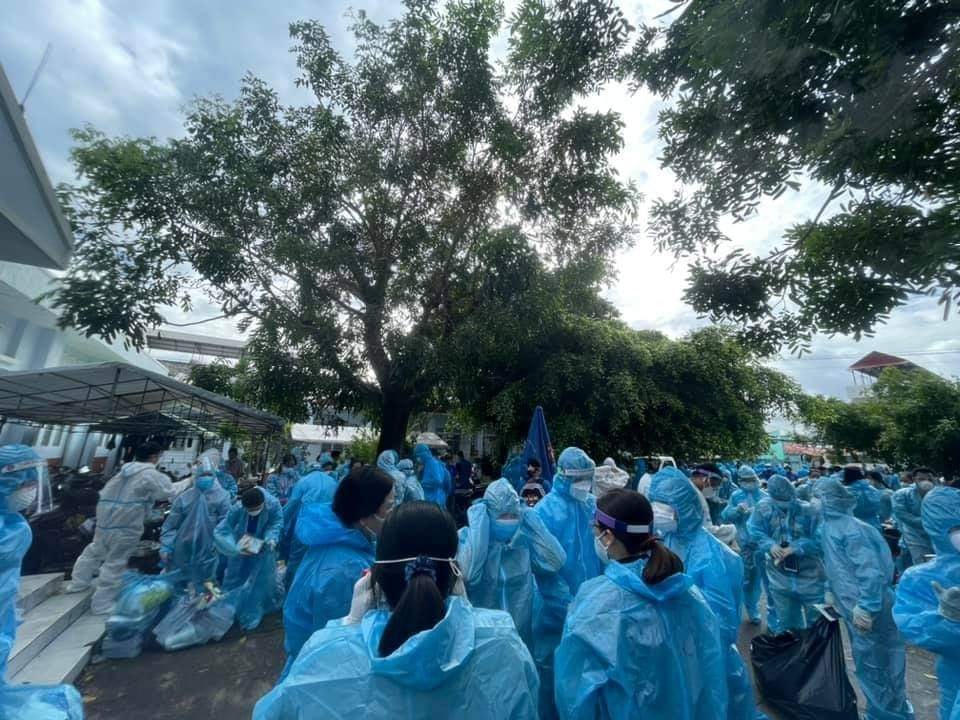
580 489
748 486
23 497
603 552
664 519
955 539
709 492
254 513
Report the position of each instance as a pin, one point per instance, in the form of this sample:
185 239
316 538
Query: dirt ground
225 679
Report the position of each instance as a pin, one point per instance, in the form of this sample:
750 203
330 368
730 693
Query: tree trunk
395 415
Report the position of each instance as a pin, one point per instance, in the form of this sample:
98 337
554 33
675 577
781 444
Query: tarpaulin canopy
110 393
538 446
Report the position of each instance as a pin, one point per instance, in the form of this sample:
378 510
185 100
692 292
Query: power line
818 358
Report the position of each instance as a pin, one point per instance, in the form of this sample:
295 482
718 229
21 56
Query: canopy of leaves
863 97
355 232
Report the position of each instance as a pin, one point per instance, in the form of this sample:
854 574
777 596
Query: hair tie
420 565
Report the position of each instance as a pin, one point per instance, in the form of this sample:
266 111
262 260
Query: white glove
949 601
271 545
778 553
862 620
362 600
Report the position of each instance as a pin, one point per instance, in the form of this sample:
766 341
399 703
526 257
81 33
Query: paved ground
224 680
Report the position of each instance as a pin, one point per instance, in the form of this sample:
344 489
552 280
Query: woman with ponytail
639 640
412 646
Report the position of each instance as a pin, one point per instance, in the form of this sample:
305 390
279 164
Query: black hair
877 476
631 507
851 473
288 460
922 471
335 453
414 529
533 462
233 450
354 462
360 494
146 451
252 497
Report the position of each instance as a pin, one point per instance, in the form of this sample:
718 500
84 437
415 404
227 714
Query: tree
843 426
355 233
861 97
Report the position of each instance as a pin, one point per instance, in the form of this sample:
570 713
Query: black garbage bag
803 675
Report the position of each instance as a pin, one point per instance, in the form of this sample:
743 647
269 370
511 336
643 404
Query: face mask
782 504
204 484
603 553
254 513
580 489
23 497
709 492
749 487
955 540
664 519
504 530
924 487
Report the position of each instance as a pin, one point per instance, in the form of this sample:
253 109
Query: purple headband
614 524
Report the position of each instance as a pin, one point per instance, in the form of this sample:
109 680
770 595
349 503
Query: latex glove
743 508
778 553
362 600
949 601
271 545
862 620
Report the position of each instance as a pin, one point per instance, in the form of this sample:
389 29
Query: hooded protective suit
738 511
796 582
314 487
404 489
632 650
860 570
411 486
434 478
716 570
19 465
186 539
323 587
919 610
870 503
121 511
907 505
227 481
500 558
470 666
281 484
252 580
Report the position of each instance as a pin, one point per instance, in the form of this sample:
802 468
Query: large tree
768 95
357 233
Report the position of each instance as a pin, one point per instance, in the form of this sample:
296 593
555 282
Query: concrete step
64 659
34 589
43 624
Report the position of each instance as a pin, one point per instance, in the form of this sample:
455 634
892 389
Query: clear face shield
32 494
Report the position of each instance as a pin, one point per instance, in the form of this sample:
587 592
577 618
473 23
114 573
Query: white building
35 243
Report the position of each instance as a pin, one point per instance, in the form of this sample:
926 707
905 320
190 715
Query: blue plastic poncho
860 570
187 534
470 666
907 505
281 484
500 557
323 587
434 478
314 487
716 570
411 486
252 581
796 584
631 650
917 607
18 472
869 502
738 511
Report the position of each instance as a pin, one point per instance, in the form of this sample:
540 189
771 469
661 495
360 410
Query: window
57 436
45 435
11 334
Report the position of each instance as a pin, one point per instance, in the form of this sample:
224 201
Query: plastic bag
140 604
192 623
607 478
40 702
803 675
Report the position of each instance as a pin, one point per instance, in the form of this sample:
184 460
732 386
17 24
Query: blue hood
427 659
834 497
317 524
781 489
421 452
672 487
387 461
629 576
940 513
501 499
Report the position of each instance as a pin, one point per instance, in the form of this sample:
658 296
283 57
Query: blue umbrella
538 446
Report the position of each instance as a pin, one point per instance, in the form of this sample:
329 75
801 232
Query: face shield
26 485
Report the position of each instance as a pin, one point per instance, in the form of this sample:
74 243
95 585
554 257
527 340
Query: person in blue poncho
227 481
339 538
405 488
249 536
869 499
860 570
281 483
316 486
434 479
907 511
640 641
738 511
784 530
713 567
186 539
503 548
412 490
20 475
927 608
422 653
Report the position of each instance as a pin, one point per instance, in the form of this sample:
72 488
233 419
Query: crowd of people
561 597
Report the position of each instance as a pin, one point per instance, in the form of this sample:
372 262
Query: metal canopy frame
114 392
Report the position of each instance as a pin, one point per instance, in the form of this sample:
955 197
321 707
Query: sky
131 68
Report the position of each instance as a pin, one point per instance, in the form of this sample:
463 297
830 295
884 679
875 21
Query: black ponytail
632 508
416 590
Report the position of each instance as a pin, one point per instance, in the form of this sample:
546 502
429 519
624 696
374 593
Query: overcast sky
129 68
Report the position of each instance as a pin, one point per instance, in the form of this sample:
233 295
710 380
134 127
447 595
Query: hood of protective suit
427 659
834 497
422 453
214 456
10 481
501 499
317 524
574 464
781 489
672 487
629 576
940 513
135 468
747 473
405 466
387 461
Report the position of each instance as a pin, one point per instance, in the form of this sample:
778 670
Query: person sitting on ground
424 653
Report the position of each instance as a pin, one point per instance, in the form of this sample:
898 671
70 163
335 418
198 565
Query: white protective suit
124 502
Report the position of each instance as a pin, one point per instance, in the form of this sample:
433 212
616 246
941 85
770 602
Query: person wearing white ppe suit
124 502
